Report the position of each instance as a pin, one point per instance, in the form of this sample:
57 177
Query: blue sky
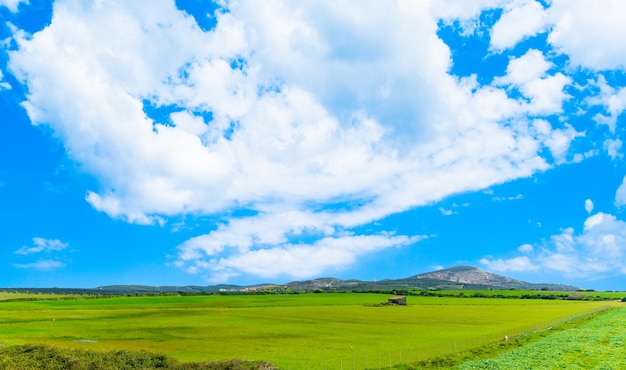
193 143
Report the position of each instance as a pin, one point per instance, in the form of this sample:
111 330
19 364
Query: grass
487 353
596 344
44 357
287 330
13 296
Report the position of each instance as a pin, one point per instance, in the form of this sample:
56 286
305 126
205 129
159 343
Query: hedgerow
37 356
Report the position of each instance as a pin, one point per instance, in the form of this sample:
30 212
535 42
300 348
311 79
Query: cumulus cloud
520 19
620 194
613 148
42 245
515 264
300 260
526 68
3 84
597 250
13 5
613 102
528 73
585 30
311 134
526 248
588 205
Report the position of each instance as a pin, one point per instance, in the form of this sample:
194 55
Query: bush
31 357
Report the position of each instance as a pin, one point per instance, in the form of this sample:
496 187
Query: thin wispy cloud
42 245
44 265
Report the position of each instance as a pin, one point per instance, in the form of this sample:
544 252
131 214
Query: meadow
290 331
597 344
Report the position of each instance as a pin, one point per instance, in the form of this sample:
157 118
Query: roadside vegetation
37 357
599 343
27 296
490 356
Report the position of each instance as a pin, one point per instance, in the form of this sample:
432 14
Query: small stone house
400 300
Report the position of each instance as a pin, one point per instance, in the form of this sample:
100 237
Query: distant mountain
454 278
468 275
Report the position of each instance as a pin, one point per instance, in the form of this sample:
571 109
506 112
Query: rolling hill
454 278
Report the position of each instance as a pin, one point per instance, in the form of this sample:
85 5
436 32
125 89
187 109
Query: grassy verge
45 357
516 352
596 344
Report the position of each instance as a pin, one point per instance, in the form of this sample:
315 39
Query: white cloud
42 245
302 261
544 92
613 148
446 212
514 197
524 69
526 248
516 264
41 265
588 205
558 141
521 19
587 31
620 194
613 101
598 250
3 84
13 5
314 135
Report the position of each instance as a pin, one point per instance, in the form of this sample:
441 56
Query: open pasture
283 329
596 344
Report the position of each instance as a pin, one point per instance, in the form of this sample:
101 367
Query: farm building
401 300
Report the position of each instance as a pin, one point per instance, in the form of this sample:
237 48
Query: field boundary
387 359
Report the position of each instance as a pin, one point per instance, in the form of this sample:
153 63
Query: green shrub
31 357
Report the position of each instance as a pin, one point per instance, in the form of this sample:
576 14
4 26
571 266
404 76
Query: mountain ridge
453 278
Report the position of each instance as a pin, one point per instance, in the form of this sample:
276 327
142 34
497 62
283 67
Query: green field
288 330
597 344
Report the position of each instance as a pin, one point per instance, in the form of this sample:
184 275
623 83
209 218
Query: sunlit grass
596 344
282 329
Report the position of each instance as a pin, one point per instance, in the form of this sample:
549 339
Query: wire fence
388 359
